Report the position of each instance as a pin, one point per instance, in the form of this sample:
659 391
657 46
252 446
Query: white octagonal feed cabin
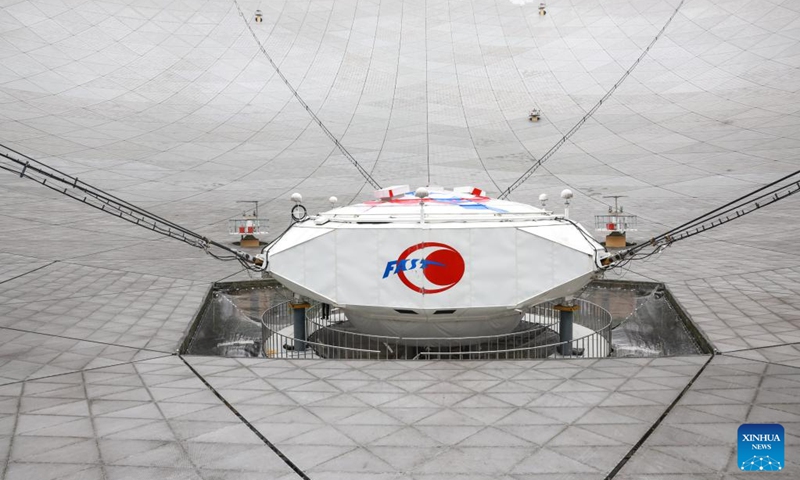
452 264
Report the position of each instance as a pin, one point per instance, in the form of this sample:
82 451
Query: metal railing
329 334
616 222
434 216
247 226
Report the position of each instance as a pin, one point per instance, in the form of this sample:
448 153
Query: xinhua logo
440 264
760 447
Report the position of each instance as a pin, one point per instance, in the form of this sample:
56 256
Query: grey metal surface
423 419
170 106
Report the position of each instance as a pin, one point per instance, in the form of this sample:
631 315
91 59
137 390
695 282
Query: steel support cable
657 246
313 116
773 197
98 203
740 206
732 205
76 183
92 198
528 173
80 191
744 205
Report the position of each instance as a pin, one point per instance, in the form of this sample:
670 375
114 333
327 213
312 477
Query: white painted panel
358 264
503 266
565 234
492 266
570 264
320 264
296 236
535 265
289 264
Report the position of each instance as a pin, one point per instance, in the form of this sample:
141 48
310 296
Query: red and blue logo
440 264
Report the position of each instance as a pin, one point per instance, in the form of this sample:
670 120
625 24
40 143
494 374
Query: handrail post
264 339
299 317
566 317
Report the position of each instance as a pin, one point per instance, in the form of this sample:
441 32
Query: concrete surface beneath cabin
170 105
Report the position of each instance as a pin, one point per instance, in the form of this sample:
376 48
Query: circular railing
330 335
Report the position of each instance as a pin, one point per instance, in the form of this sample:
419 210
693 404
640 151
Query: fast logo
440 265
